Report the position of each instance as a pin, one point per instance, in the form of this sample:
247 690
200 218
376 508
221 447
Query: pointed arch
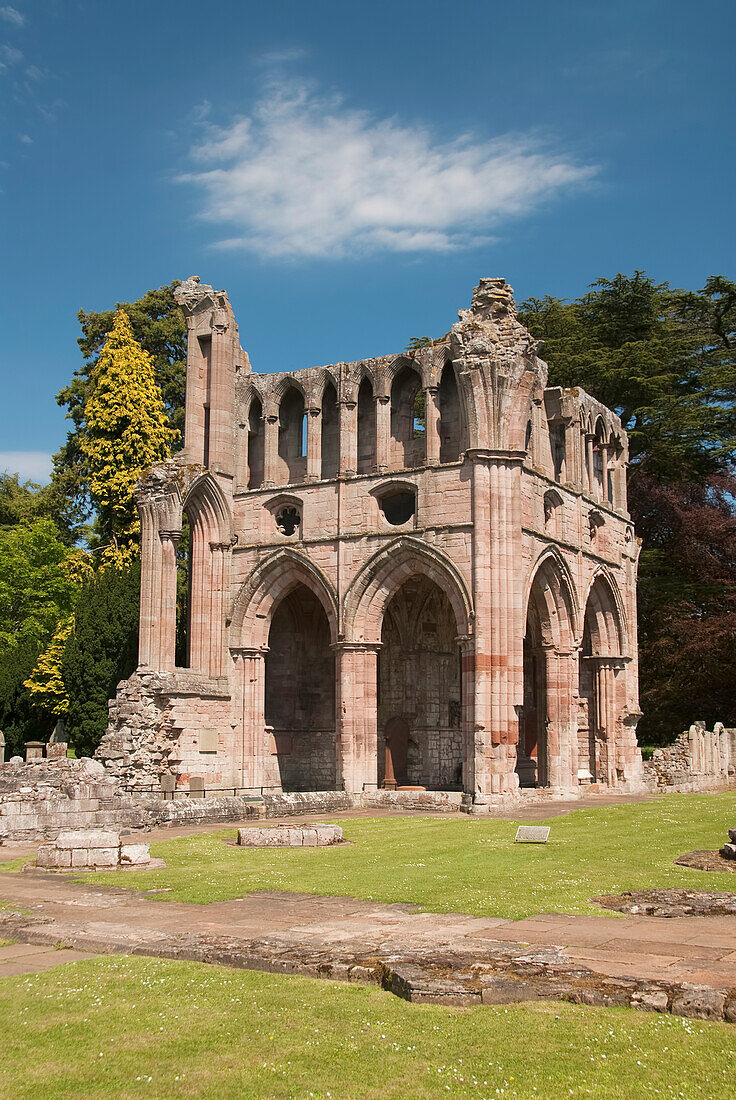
604 621
207 507
382 575
453 421
550 593
272 579
210 539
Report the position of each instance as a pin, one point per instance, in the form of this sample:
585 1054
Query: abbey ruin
414 571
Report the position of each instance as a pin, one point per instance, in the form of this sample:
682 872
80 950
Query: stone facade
413 571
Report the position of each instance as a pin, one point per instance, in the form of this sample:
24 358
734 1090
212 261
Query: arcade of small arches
290 435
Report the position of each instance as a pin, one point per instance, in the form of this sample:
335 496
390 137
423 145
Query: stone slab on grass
289 836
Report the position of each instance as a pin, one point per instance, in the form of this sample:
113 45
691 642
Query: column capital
248 651
356 647
221 546
173 536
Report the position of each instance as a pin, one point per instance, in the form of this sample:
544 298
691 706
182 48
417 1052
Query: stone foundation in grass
289 836
92 849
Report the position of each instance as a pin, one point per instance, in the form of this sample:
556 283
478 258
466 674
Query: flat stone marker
532 834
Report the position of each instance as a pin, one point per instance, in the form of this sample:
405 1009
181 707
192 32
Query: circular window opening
398 507
287 520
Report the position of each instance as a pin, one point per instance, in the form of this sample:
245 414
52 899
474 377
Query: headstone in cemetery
168 786
34 750
196 786
2 747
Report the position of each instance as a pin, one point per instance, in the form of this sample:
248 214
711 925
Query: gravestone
532 834
34 750
196 786
2 747
168 786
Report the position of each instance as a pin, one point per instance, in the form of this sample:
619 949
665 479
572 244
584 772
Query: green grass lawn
462 864
131 1027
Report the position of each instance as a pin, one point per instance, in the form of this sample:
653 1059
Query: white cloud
26 139
33 465
304 175
12 15
9 55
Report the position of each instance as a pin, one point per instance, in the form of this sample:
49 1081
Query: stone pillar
349 438
604 475
219 587
256 766
432 425
356 682
167 617
270 450
314 443
499 625
383 432
590 466
150 601
221 393
467 687
562 740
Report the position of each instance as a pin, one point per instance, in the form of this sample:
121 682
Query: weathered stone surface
699 1003
285 836
136 854
671 903
87 838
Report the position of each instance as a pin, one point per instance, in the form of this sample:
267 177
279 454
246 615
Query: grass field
131 1027
462 864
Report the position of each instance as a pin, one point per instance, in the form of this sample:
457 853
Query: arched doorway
600 666
420 734
547 750
300 693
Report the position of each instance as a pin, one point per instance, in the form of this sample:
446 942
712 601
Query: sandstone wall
698 760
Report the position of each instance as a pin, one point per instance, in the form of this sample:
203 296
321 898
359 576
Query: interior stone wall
419 681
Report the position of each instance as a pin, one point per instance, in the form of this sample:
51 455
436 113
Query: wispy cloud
9 55
305 175
33 465
12 15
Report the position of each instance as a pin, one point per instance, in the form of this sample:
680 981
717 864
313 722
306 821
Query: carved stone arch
284 384
551 581
397 365
519 412
316 391
384 573
605 616
272 579
206 504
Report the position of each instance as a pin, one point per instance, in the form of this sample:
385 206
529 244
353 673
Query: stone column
314 443
383 432
167 616
356 682
220 553
432 425
257 768
590 465
349 438
150 602
499 625
466 644
270 450
562 747
604 475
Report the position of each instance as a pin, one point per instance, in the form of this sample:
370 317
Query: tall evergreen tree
101 652
159 327
125 431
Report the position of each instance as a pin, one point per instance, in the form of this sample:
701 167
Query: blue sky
347 172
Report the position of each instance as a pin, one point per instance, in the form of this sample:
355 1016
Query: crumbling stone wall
699 759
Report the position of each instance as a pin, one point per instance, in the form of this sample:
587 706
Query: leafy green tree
159 327
101 652
21 501
125 431
40 581
665 361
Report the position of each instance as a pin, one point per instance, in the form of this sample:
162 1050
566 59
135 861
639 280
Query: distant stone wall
698 760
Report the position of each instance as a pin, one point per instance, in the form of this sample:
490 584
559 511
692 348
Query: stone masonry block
87 838
80 857
134 854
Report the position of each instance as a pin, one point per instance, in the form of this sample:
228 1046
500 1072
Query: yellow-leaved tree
45 685
125 431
